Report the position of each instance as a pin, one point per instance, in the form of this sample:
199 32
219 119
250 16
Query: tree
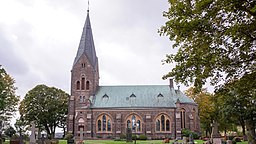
8 98
46 106
205 107
216 40
10 131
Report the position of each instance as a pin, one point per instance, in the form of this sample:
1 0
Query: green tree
10 131
205 107
216 41
8 99
46 106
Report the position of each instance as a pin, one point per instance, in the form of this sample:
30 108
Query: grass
124 142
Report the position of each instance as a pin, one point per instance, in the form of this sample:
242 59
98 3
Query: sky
39 40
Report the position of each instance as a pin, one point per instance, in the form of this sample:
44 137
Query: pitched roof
86 45
139 96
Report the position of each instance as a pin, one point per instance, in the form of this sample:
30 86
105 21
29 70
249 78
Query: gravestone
128 135
215 135
32 139
191 139
229 141
81 134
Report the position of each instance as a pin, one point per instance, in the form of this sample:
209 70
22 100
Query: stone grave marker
32 139
128 135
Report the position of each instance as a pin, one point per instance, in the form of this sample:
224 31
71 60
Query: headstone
215 135
32 139
191 139
229 141
184 140
128 135
81 134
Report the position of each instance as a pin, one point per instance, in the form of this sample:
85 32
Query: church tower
84 76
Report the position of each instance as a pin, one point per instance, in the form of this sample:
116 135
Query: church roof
86 45
139 96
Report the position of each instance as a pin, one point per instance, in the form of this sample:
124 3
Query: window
183 118
104 123
81 99
78 85
83 65
163 123
83 82
194 118
87 85
134 122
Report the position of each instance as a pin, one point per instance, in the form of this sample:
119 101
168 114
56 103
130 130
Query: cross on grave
32 136
81 134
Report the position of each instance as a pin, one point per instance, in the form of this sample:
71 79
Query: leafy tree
8 98
10 131
46 106
205 107
216 41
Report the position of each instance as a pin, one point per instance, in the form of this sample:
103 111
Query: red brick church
107 111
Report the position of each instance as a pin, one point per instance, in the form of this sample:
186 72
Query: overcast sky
39 40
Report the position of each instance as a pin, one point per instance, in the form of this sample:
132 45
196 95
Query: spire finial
88 7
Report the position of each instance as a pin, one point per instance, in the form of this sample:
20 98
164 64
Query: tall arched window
194 118
83 84
158 125
183 118
78 85
87 85
99 125
134 122
128 124
163 123
104 123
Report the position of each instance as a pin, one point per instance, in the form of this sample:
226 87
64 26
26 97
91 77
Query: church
95 111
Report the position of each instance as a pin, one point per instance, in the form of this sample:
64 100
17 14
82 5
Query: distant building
107 111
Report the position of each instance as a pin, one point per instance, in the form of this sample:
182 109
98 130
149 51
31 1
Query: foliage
122 136
8 98
142 137
187 132
46 106
205 107
68 136
216 41
10 131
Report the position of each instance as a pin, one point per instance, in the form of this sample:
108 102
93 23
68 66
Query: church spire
86 45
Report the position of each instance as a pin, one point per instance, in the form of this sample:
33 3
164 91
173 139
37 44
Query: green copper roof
140 96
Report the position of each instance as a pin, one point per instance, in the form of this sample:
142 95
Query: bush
68 136
134 136
143 137
54 141
122 136
187 132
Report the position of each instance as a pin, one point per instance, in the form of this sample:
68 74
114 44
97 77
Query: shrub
122 136
68 136
134 136
143 137
187 132
54 141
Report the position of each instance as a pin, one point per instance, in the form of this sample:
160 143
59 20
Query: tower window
87 85
83 84
83 65
78 85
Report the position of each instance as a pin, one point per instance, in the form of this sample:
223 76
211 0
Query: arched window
81 99
163 123
128 124
87 85
134 122
109 125
158 125
183 118
194 118
167 125
139 125
78 85
104 123
99 125
83 83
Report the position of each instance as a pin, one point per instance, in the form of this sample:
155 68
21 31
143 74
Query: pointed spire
86 45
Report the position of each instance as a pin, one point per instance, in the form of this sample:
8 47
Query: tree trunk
250 131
